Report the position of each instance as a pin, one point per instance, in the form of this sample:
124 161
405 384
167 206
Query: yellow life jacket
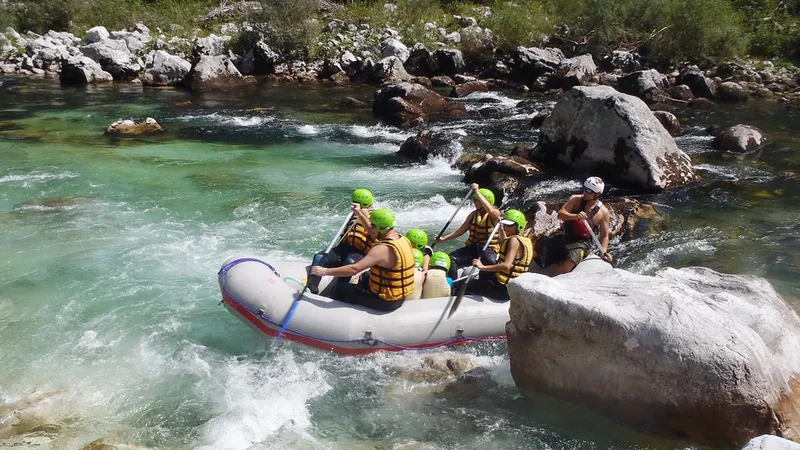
435 284
358 236
480 228
398 282
520 265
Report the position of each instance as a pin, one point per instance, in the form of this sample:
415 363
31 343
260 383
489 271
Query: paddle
296 302
594 237
463 288
463 202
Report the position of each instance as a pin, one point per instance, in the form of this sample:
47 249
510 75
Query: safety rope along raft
223 281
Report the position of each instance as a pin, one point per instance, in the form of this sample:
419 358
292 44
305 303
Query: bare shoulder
572 202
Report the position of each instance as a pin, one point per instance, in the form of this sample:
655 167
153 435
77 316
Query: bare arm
511 253
566 214
378 255
461 230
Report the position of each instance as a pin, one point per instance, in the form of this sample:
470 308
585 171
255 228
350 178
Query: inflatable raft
261 293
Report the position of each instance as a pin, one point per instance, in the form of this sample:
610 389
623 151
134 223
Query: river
110 320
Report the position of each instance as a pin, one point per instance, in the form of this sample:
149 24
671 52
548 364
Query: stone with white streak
600 130
690 352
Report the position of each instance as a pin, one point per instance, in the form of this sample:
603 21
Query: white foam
239 121
32 178
379 131
308 130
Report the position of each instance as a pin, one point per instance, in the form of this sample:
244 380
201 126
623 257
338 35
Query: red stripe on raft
258 323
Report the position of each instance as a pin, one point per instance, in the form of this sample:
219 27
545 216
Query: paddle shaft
469 274
288 317
594 236
463 202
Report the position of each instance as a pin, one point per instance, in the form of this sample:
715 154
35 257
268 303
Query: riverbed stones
602 131
692 352
739 139
163 69
83 70
409 104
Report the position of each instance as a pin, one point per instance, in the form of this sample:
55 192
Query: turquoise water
110 320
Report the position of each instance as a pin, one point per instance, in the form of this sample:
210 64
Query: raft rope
365 340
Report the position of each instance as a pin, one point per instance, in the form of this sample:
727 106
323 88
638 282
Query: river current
110 323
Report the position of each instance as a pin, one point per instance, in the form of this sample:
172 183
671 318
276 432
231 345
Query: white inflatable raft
261 293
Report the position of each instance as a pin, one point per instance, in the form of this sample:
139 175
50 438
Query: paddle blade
461 291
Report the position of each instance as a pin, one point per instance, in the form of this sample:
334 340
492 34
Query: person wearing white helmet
577 238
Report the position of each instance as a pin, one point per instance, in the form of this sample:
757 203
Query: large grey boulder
393 47
769 442
449 61
531 63
115 58
211 45
96 34
215 72
82 70
573 72
410 104
599 130
739 139
390 70
421 62
689 352
645 84
698 82
731 92
163 69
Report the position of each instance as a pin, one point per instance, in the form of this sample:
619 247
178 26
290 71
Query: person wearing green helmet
514 259
390 262
437 283
480 224
354 244
419 240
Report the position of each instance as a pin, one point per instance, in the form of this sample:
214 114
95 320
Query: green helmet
419 258
417 237
363 197
516 216
487 194
441 260
383 219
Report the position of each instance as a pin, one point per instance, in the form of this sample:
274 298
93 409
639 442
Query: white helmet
595 184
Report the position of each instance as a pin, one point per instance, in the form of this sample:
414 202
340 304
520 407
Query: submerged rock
599 130
130 128
689 352
409 104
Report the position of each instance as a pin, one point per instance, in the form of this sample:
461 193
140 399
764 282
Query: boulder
681 92
739 139
573 72
669 121
163 69
390 70
421 62
731 92
114 57
260 60
449 61
211 45
442 81
531 63
215 72
694 353
480 171
96 34
769 442
700 85
82 70
599 130
645 84
621 60
429 143
407 104
462 90
128 127
393 47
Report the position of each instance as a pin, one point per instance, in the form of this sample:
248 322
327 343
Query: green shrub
518 23
40 16
290 27
411 17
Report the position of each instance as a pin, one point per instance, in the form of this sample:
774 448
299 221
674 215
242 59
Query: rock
669 121
96 34
428 143
695 353
700 85
681 92
260 60
130 128
215 72
393 47
624 61
408 104
462 90
449 61
531 63
645 84
573 72
480 171
538 119
731 92
421 62
739 139
390 70
352 103
83 70
163 69
769 442
443 81
114 57
211 45
701 103
599 130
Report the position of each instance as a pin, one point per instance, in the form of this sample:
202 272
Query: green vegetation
669 31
